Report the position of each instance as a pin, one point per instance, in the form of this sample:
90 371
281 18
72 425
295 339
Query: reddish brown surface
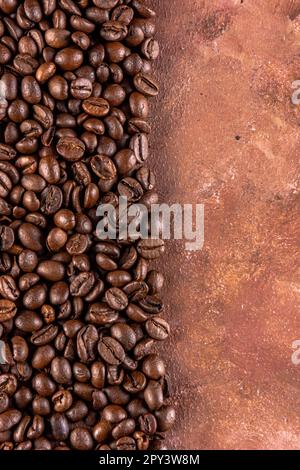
226 70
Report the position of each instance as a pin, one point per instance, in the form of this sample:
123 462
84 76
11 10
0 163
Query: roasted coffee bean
124 334
81 439
82 284
43 356
97 107
69 59
116 298
62 401
70 148
86 343
165 417
77 412
157 328
145 84
153 395
45 335
8 310
126 443
151 248
148 423
154 367
8 288
111 351
8 419
51 270
61 370
101 314
28 321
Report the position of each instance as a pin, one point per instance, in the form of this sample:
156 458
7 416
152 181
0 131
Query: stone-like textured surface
228 136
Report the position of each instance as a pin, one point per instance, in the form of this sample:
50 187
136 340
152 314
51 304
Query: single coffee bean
157 328
28 321
70 148
145 84
111 351
69 59
81 88
116 298
43 356
45 335
124 334
8 288
97 107
81 439
8 419
153 395
101 314
153 367
151 248
51 270
62 401
61 370
8 310
165 417
87 339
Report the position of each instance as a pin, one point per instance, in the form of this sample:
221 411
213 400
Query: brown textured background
226 71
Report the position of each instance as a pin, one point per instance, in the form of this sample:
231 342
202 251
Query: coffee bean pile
79 317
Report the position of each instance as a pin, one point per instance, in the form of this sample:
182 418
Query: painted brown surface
226 70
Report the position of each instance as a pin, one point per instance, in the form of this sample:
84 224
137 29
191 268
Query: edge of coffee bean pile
80 317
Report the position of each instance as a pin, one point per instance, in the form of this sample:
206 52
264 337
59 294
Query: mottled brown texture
228 136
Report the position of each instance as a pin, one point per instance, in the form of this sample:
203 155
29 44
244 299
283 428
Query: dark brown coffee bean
126 444
45 335
116 298
157 328
62 401
41 406
87 339
28 321
8 288
70 148
45 72
8 310
124 334
43 385
150 48
139 145
101 314
77 412
118 278
8 419
82 284
69 59
61 370
4 402
151 248
43 356
59 293
111 351
153 395
154 367
131 189
166 417
102 430
81 439
77 244
97 107
25 64
51 270
59 426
